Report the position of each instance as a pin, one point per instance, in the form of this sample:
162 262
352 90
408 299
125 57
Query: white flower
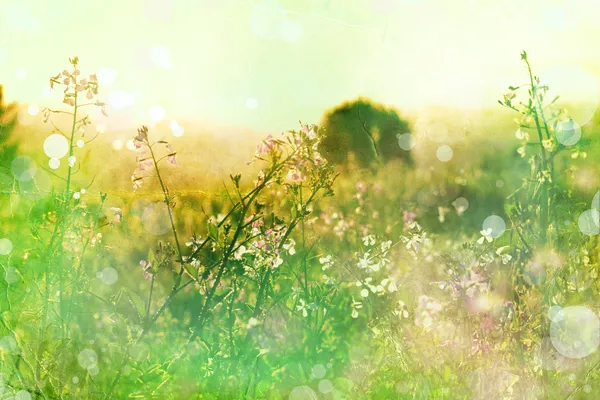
240 252
369 240
521 135
303 307
385 246
252 322
326 262
486 234
277 262
356 305
290 247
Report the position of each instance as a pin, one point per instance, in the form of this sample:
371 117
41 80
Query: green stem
545 191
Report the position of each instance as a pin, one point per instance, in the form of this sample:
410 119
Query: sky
265 64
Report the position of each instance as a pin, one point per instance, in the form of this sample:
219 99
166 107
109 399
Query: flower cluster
147 269
147 157
74 85
295 157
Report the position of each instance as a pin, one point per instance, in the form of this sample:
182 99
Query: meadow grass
298 279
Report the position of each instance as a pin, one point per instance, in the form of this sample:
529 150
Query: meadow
214 267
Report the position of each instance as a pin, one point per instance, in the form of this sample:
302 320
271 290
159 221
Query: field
206 266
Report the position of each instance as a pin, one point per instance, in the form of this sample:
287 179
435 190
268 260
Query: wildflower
295 176
171 160
277 262
385 246
364 262
369 240
118 214
265 146
356 305
401 310
326 262
142 134
145 164
521 135
391 285
302 307
136 181
252 322
504 257
361 187
290 247
408 218
486 235
147 268
238 254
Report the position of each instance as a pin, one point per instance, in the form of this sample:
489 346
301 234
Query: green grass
391 290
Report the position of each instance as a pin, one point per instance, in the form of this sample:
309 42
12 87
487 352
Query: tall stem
545 192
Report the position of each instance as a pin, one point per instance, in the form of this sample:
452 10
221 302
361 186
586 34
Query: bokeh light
577 333
6 246
156 113
495 224
23 168
406 141
589 222
444 153
56 146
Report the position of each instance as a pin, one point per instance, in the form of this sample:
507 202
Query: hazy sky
265 64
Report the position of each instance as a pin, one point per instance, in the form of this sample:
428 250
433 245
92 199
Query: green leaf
138 304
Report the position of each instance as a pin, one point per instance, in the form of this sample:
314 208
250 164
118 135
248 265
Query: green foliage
293 284
8 120
365 132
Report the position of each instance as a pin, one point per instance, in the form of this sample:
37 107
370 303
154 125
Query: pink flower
408 217
147 268
265 146
171 160
118 214
145 164
89 95
137 182
295 176
361 186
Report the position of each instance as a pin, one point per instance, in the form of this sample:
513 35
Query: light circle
495 224
444 153
6 246
87 358
577 333
302 393
568 132
109 276
56 146
405 141
589 222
